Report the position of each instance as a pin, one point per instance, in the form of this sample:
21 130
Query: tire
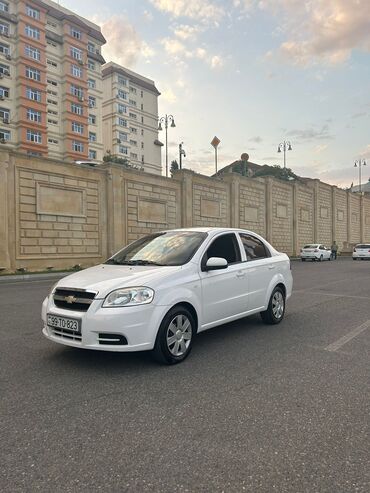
321 258
179 327
274 314
329 258
303 259
354 258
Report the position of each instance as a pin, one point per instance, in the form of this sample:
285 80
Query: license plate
63 323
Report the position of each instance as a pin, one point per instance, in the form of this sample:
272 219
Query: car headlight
129 297
53 289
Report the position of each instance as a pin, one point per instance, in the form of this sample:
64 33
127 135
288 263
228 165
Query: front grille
73 299
112 339
71 335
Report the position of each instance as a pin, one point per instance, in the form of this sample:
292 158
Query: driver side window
225 246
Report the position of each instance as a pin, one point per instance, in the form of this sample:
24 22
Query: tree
241 167
174 166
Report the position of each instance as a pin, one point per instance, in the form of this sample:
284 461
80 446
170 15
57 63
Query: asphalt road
255 408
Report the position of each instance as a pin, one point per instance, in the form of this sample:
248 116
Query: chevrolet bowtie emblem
70 299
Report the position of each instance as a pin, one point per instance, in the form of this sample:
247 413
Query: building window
4 134
52 122
5 115
77 91
4 69
4 92
4 28
142 158
132 102
142 145
33 73
53 141
32 32
4 6
91 83
32 52
77 146
133 115
133 143
142 131
90 47
142 119
32 12
53 93
142 107
133 130
78 128
33 136
51 23
76 109
4 49
52 112
122 94
121 108
51 43
133 90
33 115
52 101
123 150
92 154
51 62
122 122
121 81
52 82
90 65
92 136
142 93
33 94
75 33
133 155
122 136
92 102
76 53
76 71
92 119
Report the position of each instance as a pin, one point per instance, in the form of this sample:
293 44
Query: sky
254 73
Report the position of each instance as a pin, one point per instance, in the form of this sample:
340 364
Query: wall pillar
316 212
334 215
4 222
269 210
116 214
234 182
362 219
296 246
349 218
185 176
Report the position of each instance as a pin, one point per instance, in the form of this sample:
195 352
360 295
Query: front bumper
138 325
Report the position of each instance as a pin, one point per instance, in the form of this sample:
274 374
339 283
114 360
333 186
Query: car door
223 291
259 268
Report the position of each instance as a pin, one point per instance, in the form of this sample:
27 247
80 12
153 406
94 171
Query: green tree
174 166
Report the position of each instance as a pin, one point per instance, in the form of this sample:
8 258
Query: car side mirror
216 263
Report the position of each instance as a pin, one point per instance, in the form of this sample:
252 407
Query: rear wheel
175 336
321 258
276 309
303 259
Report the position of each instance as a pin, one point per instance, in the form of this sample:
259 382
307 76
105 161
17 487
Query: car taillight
354 249
301 250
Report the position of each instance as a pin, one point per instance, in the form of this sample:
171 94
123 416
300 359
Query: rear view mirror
216 263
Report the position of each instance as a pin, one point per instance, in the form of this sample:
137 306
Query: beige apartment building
130 118
51 88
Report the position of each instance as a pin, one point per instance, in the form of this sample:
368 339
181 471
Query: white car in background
361 251
160 291
315 251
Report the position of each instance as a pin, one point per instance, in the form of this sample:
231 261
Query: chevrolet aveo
160 291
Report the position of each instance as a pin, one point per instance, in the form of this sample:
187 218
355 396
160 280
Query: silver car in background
361 251
315 251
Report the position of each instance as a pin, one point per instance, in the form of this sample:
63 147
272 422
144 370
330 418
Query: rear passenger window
254 248
225 246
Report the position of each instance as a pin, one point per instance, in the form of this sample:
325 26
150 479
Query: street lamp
181 153
285 146
165 120
359 164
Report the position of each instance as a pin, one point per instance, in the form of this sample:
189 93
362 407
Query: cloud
216 62
359 115
257 139
186 32
320 148
311 134
120 33
168 95
321 31
178 50
203 10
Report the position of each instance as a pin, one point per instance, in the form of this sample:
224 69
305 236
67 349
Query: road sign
215 141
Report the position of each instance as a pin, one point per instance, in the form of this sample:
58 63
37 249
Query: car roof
213 230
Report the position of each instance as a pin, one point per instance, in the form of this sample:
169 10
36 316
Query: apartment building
130 117
51 88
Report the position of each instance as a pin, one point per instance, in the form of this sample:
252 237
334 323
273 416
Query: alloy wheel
179 334
278 304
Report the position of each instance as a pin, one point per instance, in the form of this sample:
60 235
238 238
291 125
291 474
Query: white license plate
63 323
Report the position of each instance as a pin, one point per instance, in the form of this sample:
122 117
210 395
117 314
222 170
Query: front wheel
276 308
303 259
321 258
175 336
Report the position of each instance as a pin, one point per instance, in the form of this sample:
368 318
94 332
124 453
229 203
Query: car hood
105 278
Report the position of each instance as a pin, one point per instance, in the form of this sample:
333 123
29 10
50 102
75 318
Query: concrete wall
55 214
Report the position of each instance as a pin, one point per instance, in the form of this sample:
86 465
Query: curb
30 277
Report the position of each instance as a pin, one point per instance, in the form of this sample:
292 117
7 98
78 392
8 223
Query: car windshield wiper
132 262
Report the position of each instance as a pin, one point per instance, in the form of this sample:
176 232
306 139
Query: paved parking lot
255 408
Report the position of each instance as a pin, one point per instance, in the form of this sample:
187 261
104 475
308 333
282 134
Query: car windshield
363 246
168 248
310 246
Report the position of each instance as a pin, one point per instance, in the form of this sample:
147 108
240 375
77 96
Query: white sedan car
315 251
160 291
361 251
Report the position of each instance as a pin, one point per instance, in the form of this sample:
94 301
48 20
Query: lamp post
285 146
181 153
165 119
358 164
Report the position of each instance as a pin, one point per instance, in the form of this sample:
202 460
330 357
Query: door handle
271 267
240 274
